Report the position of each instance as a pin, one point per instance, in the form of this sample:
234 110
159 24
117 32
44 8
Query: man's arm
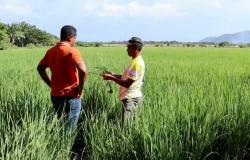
43 74
117 75
113 74
125 83
82 73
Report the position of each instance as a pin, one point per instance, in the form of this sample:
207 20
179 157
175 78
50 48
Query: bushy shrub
5 45
31 45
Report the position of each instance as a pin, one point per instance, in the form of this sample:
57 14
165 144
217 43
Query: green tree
20 37
3 33
224 44
22 34
97 44
12 32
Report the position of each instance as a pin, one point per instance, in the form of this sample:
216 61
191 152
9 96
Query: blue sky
107 20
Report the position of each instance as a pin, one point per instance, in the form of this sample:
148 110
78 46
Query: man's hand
107 76
82 74
78 91
107 72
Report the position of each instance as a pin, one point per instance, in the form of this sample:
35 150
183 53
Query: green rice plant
195 106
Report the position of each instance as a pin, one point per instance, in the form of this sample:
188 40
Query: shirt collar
63 44
138 57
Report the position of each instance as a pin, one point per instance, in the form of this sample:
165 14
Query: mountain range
236 38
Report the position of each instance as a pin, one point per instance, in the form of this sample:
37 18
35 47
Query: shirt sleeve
44 61
134 70
76 56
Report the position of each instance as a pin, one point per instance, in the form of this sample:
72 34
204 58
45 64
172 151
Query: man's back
62 60
68 74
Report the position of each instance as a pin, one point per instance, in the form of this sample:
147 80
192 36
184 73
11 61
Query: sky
117 20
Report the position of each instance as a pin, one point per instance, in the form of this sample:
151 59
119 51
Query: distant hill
236 38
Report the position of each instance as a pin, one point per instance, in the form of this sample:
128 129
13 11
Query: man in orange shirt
68 74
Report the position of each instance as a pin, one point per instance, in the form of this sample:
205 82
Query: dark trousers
69 108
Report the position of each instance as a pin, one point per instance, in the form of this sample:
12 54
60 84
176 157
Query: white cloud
216 3
247 7
133 8
16 7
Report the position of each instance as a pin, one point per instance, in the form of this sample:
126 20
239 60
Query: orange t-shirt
62 60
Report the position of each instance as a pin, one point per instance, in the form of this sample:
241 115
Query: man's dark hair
67 31
137 46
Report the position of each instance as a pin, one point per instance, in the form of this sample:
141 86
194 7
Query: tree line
24 35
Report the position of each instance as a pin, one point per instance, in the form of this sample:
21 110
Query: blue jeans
69 108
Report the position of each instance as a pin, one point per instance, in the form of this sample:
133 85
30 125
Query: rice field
196 106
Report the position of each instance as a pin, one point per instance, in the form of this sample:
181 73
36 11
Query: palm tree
12 32
20 37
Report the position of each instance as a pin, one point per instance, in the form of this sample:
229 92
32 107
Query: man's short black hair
67 31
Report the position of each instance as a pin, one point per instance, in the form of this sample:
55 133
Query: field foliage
196 105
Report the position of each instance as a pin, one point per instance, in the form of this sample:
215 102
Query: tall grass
196 105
